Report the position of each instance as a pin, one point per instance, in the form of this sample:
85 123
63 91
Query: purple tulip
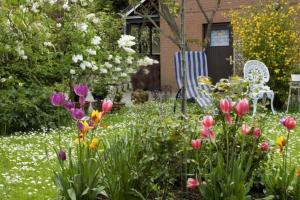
62 155
81 90
82 101
77 113
69 105
57 98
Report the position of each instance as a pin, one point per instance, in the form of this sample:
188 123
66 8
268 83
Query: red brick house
219 53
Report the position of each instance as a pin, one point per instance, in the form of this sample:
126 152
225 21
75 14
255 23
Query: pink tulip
245 129
289 123
225 106
264 146
207 134
242 107
192 183
208 121
228 118
196 144
57 98
257 132
107 106
81 90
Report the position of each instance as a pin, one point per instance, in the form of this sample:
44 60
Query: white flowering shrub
48 42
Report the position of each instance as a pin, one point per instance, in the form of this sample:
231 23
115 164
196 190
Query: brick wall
194 25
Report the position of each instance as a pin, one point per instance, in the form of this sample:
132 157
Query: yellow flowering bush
269 32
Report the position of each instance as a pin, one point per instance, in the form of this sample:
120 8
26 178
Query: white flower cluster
96 40
126 42
21 52
81 26
146 61
92 17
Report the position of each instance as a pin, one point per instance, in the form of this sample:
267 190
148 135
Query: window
219 38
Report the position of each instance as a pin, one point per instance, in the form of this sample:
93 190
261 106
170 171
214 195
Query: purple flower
62 155
77 113
57 98
82 101
69 105
81 90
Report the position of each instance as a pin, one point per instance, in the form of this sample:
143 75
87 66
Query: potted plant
295 74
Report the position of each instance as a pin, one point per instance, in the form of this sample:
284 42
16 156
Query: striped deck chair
196 66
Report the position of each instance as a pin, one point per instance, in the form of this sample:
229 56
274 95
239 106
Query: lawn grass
26 173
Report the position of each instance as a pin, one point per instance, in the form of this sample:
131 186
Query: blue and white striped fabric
196 63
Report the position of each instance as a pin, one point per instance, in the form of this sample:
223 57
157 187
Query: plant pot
295 77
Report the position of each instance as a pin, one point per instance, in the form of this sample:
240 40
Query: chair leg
272 107
176 97
254 105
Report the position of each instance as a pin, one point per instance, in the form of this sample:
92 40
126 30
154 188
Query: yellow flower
281 142
204 80
96 117
84 127
94 143
298 173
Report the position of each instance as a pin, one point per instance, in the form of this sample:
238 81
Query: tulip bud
62 155
192 183
225 106
245 129
289 123
107 106
196 144
264 147
242 107
257 132
208 121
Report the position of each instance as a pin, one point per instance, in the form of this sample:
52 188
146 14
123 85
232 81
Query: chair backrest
196 63
256 72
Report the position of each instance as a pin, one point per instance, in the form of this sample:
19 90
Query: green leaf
85 191
72 194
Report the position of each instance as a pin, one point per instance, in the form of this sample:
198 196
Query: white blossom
77 58
74 1
129 50
21 84
3 80
91 52
52 2
81 26
58 25
85 64
72 71
123 75
118 59
90 16
66 7
146 61
35 7
48 44
94 68
23 8
110 57
108 65
96 40
24 57
126 41
96 20
103 71
118 69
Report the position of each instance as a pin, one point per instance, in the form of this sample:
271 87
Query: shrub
267 31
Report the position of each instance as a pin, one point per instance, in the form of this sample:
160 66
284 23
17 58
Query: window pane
144 40
134 31
155 41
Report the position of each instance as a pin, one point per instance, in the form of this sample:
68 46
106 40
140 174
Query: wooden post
183 59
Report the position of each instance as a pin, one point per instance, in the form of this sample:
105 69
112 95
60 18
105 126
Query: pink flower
81 101
206 133
257 132
77 113
289 123
208 121
245 129
242 107
81 90
57 98
196 144
264 146
192 183
69 105
228 118
107 106
225 106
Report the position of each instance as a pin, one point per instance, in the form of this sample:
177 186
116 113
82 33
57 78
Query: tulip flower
281 141
69 105
94 143
107 106
62 155
196 144
207 121
289 123
192 183
242 107
77 113
84 127
57 98
225 106
257 132
81 90
245 129
264 146
96 117
207 134
228 118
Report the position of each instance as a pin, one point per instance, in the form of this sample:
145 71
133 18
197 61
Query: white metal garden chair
258 75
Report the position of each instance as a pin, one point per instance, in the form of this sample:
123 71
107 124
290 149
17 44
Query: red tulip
207 134
264 146
196 144
208 121
289 123
107 106
242 107
228 118
245 129
225 106
257 132
192 183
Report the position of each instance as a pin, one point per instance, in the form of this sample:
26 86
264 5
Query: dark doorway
219 52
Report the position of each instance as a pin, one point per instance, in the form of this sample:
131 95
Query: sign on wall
219 38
